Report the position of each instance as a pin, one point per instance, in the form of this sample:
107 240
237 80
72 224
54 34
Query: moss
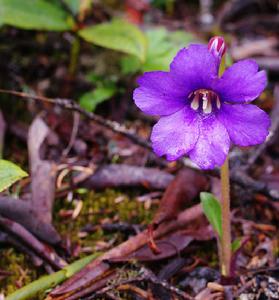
98 207
22 271
109 205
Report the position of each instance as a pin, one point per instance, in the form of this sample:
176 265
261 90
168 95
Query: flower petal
241 82
158 94
175 135
194 67
213 144
246 124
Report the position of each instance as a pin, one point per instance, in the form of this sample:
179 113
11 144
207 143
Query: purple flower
201 113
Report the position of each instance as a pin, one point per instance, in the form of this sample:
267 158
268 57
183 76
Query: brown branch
33 243
72 105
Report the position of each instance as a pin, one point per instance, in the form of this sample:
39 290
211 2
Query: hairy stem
226 220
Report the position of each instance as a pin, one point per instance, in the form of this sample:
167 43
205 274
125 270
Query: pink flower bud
217 46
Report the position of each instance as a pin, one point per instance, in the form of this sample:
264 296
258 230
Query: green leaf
90 100
73 5
34 14
9 174
117 35
130 65
161 48
212 209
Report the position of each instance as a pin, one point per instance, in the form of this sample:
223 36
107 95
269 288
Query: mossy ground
109 205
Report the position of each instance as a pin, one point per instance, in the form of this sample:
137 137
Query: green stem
226 221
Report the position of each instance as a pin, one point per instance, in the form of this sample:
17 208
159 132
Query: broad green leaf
34 14
130 64
162 46
212 209
9 174
90 100
117 35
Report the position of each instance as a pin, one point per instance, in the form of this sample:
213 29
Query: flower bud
217 46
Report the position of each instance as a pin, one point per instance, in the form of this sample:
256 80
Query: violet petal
213 144
158 94
241 82
194 68
175 135
246 124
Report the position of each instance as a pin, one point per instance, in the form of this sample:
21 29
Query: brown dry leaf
109 176
181 191
43 172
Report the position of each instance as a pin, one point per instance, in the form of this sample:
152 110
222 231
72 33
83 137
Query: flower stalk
225 246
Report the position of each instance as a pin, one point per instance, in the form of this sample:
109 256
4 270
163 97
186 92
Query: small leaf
130 64
34 14
9 174
73 5
236 244
162 48
90 100
117 35
212 209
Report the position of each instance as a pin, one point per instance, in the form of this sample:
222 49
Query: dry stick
76 119
71 105
43 251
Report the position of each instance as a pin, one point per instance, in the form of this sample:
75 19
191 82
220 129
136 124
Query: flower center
206 99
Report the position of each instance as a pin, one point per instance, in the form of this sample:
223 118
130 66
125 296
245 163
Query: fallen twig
127 176
72 105
43 251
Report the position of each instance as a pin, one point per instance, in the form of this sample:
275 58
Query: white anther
195 103
205 101
208 108
218 103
